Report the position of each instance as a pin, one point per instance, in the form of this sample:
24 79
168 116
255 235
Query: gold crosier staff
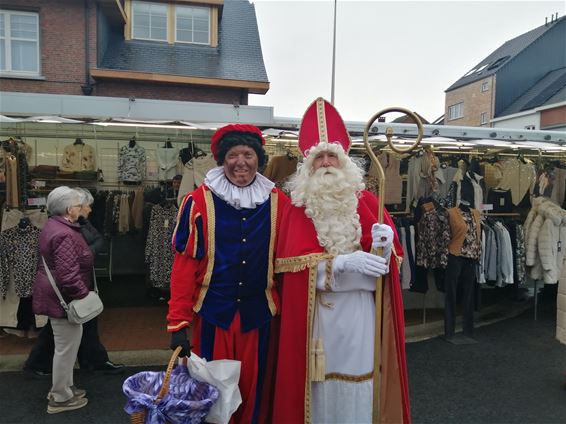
376 412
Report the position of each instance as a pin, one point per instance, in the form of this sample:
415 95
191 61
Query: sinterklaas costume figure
325 353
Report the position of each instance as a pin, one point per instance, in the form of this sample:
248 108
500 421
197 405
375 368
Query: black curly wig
237 138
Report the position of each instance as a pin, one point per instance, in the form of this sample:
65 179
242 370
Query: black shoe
37 373
110 367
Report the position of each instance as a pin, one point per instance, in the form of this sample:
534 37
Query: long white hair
330 197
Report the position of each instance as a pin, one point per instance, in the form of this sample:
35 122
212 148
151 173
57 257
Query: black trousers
91 351
459 271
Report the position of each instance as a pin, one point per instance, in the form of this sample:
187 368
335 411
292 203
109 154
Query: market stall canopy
41 119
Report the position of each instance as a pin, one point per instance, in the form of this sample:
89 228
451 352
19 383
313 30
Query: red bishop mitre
221 132
322 123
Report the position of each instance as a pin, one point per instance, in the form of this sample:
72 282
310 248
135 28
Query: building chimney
545 20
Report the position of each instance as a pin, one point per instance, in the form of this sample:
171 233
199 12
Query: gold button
244 240
243 219
243 262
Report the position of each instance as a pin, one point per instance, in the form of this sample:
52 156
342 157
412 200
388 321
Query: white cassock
345 320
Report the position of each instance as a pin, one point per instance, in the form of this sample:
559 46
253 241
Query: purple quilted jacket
70 261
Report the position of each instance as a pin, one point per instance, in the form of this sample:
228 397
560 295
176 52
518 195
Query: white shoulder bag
82 310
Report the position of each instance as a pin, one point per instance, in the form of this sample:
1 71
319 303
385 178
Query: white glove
361 262
382 236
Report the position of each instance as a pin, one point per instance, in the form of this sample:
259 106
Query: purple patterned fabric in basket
187 402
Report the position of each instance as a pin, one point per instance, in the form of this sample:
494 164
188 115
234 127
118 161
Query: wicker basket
139 417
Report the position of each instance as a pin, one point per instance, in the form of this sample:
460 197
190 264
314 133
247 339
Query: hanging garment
521 273
394 187
559 186
167 159
501 200
561 308
467 187
519 177
124 215
544 184
492 174
413 178
137 209
448 173
78 157
132 164
194 172
552 242
433 233
480 274
405 265
490 261
2 165
19 247
11 218
158 252
465 233
504 255
12 198
280 167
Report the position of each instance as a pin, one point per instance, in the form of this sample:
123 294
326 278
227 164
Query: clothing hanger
78 142
24 222
132 141
464 205
168 144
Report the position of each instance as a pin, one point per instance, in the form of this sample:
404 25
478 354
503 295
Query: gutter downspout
87 87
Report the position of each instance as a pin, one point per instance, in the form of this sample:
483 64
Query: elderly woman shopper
70 261
92 354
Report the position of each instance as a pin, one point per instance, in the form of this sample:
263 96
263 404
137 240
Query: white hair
330 197
86 197
60 199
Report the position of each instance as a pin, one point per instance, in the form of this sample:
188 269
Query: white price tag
166 223
487 207
37 201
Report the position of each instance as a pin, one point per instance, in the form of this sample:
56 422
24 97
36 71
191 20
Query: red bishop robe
298 254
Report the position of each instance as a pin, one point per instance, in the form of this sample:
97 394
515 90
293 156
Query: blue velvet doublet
241 259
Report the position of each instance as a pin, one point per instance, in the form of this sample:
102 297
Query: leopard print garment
18 251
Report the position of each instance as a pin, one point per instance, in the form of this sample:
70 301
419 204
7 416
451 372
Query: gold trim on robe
211 248
268 295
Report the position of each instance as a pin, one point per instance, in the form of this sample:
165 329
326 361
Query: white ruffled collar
239 197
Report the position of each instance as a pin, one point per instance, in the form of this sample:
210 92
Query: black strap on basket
139 417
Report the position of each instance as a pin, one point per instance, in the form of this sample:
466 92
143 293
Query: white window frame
484 86
483 118
456 111
209 24
7 37
166 21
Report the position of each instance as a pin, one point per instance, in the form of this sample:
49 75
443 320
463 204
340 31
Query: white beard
331 201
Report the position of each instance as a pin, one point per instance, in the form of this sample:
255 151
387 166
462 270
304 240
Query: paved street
513 375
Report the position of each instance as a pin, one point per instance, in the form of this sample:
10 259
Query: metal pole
333 55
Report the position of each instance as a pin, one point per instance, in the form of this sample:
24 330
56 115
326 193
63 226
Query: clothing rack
515 214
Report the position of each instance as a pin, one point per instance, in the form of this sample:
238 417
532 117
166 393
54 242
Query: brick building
525 73
208 51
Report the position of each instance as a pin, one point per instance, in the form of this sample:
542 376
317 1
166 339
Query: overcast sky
388 53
